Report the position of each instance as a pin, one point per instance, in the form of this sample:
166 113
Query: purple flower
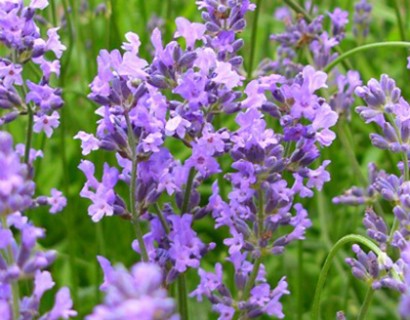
226 75
190 31
202 161
103 196
10 74
88 142
339 20
44 96
225 312
318 177
133 43
39 4
62 307
46 123
177 125
133 295
57 201
361 18
53 43
16 188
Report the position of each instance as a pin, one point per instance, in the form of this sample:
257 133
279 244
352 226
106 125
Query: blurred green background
94 25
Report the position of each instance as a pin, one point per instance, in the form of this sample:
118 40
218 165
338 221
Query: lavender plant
180 95
19 258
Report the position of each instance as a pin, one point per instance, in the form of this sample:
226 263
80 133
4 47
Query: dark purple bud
223 290
214 299
255 313
5 104
171 276
373 265
390 132
236 61
176 53
9 117
141 90
237 45
240 281
187 59
152 196
158 81
239 25
205 16
393 284
400 213
271 108
42 201
255 153
108 145
378 141
212 27
200 213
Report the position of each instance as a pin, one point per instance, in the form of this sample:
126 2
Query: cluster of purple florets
385 107
182 94
21 35
20 259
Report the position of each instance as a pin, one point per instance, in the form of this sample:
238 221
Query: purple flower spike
133 295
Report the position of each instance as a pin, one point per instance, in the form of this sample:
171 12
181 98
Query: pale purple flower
133 295
225 312
39 4
44 96
226 75
133 43
46 123
101 194
88 142
53 43
57 201
177 125
11 74
62 307
318 177
191 31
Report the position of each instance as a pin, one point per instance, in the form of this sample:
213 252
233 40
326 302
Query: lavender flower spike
135 295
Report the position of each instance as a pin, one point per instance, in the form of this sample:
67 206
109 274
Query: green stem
300 282
365 47
29 135
253 38
161 218
299 9
341 130
343 133
366 304
53 12
252 278
15 291
70 46
187 195
182 291
135 219
399 20
182 297
328 262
